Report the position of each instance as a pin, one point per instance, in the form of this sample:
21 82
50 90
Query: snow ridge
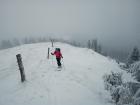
78 83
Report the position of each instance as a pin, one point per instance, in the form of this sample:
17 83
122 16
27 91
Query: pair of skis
59 68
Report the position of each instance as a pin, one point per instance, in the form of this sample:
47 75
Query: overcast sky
113 22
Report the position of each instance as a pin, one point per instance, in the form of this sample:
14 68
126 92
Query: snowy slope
79 83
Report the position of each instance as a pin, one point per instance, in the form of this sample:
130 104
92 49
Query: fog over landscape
115 23
70 52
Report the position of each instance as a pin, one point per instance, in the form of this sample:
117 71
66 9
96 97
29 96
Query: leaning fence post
48 52
21 68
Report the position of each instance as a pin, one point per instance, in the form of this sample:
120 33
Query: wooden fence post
48 52
52 42
21 68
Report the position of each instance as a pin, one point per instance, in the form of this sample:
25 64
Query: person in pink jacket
58 55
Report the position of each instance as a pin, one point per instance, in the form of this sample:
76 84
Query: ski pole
63 64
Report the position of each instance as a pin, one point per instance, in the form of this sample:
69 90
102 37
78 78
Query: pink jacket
57 54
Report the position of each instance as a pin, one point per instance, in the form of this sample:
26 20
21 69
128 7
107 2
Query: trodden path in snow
65 87
78 83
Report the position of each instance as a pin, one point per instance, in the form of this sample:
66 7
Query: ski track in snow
78 83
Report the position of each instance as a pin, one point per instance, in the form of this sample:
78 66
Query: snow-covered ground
79 82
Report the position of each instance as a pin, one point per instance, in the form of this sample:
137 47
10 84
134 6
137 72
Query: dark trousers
58 62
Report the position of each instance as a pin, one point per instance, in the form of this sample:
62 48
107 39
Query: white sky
108 20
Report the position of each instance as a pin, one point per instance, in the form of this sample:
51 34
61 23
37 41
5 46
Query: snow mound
80 82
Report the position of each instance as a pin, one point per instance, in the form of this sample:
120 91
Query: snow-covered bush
134 56
137 97
115 94
123 66
133 87
122 93
135 70
137 101
125 95
112 80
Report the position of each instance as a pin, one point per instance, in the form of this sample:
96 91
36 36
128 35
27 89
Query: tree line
16 42
91 44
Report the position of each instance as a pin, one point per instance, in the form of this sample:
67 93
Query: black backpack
57 49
